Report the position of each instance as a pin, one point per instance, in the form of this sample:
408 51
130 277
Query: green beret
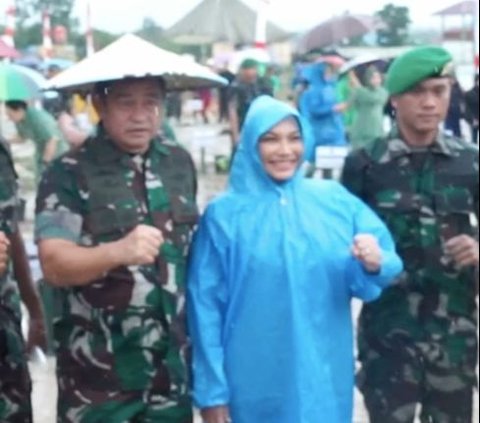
249 64
417 65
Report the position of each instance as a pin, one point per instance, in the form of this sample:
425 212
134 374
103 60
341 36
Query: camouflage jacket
426 197
9 296
124 332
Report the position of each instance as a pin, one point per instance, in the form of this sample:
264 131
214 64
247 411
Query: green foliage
396 20
29 28
60 11
29 14
101 39
155 34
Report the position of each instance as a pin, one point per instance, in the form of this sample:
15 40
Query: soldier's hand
216 415
463 250
37 336
366 250
4 252
141 246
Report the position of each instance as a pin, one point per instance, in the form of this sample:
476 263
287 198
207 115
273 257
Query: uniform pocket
184 216
454 208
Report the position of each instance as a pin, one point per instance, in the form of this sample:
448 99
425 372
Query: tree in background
152 32
29 15
395 31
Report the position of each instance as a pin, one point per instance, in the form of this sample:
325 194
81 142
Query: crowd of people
245 311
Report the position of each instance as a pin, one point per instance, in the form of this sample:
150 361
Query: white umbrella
360 60
130 56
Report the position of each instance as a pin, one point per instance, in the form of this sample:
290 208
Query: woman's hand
368 252
218 414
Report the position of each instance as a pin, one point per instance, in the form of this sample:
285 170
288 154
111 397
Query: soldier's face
131 113
423 108
281 150
249 74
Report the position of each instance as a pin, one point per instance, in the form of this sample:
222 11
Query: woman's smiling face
281 150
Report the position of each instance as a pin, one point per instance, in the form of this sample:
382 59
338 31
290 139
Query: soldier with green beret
418 342
114 222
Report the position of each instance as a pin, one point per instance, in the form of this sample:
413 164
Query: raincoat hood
315 73
248 173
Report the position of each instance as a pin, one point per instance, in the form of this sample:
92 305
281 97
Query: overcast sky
294 15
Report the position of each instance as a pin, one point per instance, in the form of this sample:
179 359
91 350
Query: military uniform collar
4 146
398 147
107 151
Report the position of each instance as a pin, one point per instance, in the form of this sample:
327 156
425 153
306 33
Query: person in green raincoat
368 102
344 89
40 127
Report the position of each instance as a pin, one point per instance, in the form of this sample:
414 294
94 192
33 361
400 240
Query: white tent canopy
132 57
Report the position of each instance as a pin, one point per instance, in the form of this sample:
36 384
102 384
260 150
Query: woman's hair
16 105
369 72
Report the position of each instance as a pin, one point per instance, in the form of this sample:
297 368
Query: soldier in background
114 221
246 87
418 342
41 127
15 284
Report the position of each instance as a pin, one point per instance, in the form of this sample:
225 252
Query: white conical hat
132 57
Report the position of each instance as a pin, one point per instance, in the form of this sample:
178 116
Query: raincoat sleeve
318 105
365 285
206 304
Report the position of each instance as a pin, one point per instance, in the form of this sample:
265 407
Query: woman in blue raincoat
320 105
274 265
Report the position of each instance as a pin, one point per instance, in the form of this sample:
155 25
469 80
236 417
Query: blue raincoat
270 281
316 105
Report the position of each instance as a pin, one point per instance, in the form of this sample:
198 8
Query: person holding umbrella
368 100
19 88
320 105
39 126
113 225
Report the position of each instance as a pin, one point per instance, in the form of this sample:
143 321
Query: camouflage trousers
15 385
122 407
394 384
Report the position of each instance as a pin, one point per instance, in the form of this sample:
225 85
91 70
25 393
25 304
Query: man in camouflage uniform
418 343
114 221
246 87
15 383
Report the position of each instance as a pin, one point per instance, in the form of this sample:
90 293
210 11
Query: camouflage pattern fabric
15 384
120 341
418 342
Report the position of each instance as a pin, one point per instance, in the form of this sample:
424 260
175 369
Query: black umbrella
336 30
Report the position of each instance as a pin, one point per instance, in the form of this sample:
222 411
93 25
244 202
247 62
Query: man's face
249 74
423 108
131 113
16 116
